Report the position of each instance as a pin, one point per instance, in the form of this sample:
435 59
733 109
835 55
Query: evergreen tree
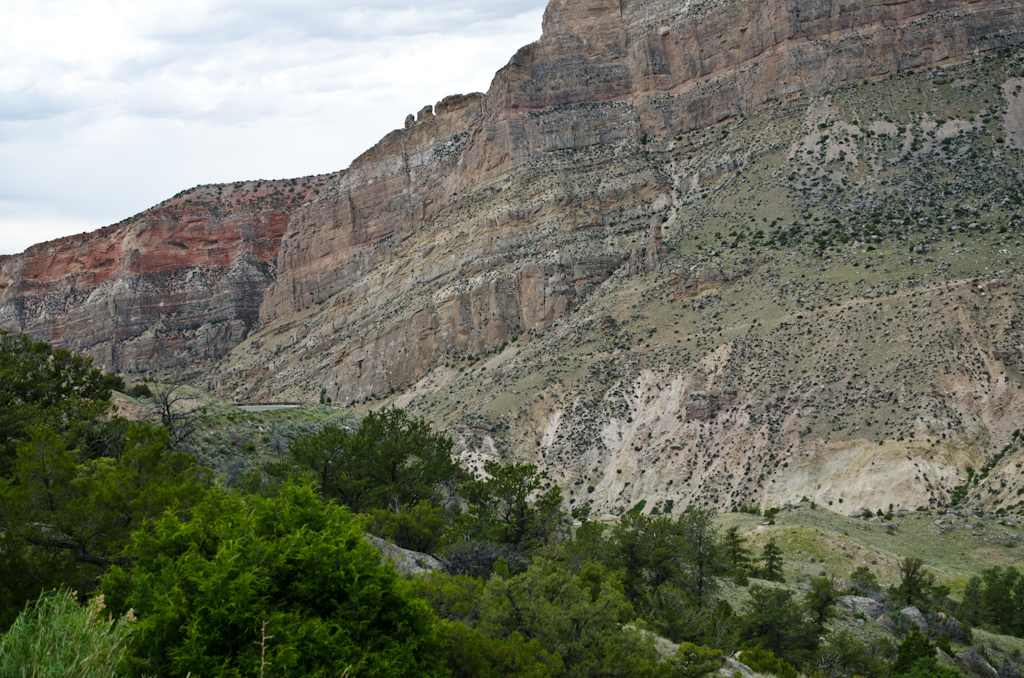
40 386
584 619
1018 601
971 606
293 567
915 583
865 581
648 550
702 556
821 600
998 605
65 517
391 460
915 646
737 553
771 556
773 620
509 507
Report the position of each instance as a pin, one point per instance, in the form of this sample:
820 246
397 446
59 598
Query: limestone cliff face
460 203
172 287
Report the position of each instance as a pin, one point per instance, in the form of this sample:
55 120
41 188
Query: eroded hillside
710 252
835 315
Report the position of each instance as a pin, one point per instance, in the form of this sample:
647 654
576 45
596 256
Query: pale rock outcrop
869 607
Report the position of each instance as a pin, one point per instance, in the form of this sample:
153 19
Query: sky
108 107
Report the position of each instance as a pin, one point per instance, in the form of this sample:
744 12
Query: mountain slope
712 252
168 289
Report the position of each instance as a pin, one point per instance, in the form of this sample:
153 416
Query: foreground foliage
272 576
204 587
55 637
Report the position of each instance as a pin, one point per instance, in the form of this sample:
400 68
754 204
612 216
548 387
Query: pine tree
772 557
737 555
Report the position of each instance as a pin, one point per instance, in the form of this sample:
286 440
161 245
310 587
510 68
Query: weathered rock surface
949 626
175 286
469 195
405 561
912 615
869 607
506 220
975 664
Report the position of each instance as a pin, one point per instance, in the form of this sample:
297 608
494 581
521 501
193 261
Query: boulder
869 607
950 626
860 513
404 560
912 615
886 623
972 662
732 667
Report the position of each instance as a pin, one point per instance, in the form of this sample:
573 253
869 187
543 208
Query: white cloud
108 107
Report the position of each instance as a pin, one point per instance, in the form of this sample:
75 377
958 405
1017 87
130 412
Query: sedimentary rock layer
179 284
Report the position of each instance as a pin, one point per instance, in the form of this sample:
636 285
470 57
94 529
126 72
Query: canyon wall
534 269
546 162
170 288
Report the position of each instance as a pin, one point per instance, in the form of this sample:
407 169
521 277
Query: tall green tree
771 557
702 556
972 603
821 600
845 655
683 550
773 620
210 592
998 605
390 460
915 583
914 647
736 552
66 517
648 550
581 618
865 581
515 505
43 386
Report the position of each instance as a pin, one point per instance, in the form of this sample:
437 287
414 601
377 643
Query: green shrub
765 661
56 637
418 528
471 654
140 390
203 590
690 661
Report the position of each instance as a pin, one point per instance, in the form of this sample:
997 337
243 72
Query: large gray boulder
950 626
869 607
912 615
731 667
404 560
974 663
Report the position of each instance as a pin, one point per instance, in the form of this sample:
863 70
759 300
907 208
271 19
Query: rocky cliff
170 288
491 215
680 252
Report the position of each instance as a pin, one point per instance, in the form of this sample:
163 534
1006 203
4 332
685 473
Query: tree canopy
43 386
390 460
202 589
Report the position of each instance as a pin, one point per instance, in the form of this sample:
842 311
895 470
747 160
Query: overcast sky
108 107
